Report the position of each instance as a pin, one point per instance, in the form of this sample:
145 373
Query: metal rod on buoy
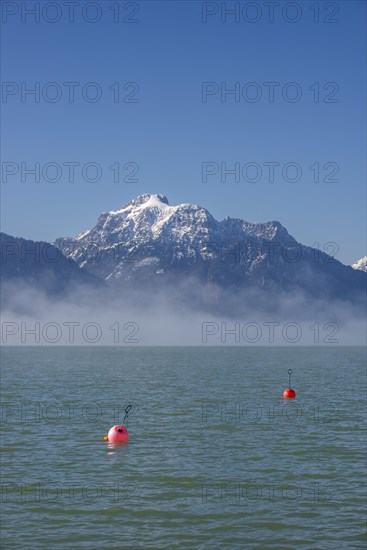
289 393
127 410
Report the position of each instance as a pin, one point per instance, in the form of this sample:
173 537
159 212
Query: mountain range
149 243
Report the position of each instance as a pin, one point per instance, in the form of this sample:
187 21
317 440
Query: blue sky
169 132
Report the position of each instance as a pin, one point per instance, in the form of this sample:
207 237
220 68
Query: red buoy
289 393
118 434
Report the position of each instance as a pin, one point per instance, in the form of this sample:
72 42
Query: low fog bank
183 314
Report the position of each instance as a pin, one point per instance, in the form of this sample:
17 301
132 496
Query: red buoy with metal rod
119 433
289 393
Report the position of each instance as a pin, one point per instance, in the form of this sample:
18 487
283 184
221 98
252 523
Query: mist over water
187 313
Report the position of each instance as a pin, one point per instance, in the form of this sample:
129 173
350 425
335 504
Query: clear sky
169 132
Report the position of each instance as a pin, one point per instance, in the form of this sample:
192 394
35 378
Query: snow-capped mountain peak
145 200
148 217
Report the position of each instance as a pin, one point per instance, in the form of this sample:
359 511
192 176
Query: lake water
216 457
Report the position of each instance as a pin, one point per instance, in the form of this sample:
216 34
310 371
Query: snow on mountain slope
146 218
361 264
185 232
